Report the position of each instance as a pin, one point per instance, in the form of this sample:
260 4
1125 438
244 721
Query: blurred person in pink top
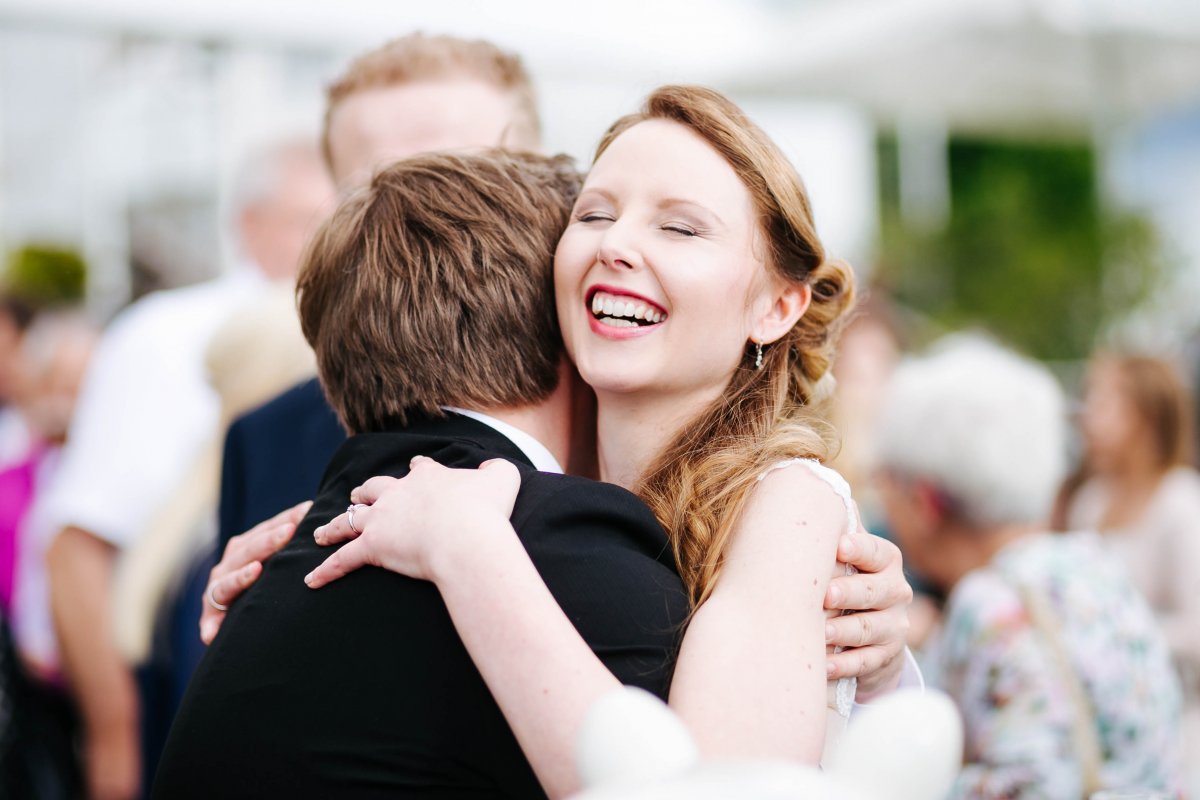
47 371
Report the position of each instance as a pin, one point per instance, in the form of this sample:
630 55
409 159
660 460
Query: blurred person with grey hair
1062 676
145 413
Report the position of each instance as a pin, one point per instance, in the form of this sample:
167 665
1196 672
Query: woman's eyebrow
673 202
600 190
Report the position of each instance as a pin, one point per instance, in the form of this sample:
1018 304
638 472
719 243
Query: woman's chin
612 375
610 384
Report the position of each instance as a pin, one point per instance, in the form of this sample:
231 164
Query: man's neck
548 421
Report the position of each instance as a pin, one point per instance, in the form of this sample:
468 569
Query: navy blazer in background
275 456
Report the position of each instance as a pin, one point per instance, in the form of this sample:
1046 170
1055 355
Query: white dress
840 699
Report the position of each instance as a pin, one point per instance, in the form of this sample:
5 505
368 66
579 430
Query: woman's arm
451 527
750 679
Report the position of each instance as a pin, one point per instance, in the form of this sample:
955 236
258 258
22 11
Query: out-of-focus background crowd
1028 171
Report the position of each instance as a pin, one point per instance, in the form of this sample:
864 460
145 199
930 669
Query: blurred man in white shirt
144 413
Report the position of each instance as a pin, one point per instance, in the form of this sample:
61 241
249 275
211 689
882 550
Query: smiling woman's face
660 273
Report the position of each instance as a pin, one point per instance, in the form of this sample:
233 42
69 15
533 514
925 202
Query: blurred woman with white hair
1062 676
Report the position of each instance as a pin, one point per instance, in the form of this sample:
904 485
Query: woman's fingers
370 491
223 592
339 529
867 552
241 564
229 588
867 628
858 662
398 523
347 559
263 540
503 481
879 583
258 544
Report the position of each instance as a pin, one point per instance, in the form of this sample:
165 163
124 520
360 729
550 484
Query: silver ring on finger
350 515
212 599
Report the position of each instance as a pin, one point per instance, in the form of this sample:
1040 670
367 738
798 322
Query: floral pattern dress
996 663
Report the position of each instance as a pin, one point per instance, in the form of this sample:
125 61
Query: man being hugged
428 300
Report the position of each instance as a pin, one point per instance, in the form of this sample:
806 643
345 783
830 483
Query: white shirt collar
537 453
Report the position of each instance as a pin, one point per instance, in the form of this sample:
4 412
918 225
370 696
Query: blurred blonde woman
256 354
1140 491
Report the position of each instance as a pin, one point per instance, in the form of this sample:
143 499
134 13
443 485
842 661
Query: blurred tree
45 275
1026 251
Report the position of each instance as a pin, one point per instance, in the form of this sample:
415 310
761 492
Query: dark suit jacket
275 456
363 689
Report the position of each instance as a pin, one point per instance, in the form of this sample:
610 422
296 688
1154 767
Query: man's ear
789 301
931 504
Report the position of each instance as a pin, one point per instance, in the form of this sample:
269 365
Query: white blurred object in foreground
907 746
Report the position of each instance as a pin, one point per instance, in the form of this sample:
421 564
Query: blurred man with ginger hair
415 94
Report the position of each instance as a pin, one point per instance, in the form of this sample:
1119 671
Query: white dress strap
831 477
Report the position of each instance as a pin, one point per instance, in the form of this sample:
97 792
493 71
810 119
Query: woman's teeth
622 312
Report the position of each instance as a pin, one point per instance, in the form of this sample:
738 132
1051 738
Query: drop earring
758 355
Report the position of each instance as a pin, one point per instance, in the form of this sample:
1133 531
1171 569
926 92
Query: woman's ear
788 304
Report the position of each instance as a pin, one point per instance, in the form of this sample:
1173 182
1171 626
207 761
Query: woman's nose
618 248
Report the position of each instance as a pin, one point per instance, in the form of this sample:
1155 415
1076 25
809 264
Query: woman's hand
242 563
874 637
408 525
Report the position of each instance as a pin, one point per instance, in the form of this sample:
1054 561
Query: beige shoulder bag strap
1084 738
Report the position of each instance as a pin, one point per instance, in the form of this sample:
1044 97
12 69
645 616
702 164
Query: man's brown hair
418 57
433 286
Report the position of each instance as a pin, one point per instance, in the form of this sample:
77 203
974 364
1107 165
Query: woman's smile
621 314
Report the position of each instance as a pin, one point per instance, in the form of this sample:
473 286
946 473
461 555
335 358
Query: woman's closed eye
593 216
680 229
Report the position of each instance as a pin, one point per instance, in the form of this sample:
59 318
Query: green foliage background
45 276
1028 252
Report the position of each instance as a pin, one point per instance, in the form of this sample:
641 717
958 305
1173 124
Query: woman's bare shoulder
802 487
792 521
